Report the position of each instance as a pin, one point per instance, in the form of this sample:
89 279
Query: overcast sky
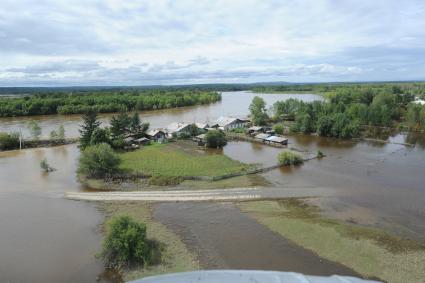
130 42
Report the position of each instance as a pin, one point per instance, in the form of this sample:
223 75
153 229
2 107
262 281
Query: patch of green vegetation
165 160
289 157
175 257
371 252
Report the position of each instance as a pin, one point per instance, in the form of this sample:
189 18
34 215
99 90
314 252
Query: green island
371 252
102 101
173 254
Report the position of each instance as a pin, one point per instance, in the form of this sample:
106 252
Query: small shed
261 137
255 130
277 140
200 139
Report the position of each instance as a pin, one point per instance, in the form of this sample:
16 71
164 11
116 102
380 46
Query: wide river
45 238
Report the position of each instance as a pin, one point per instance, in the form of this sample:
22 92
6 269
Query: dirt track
201 195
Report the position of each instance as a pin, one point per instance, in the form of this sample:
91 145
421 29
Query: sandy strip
176 195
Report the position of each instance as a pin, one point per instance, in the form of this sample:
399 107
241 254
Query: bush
9 141
98 161
125 243
320 154
215 139
278 129
288 158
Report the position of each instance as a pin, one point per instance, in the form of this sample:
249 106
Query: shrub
215 139
45 166
98 161
125 243
288 158
278 129
9 141
320 154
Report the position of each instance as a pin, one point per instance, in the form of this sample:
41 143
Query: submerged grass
166 160
371 252
175 257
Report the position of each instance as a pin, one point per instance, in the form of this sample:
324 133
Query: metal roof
276 139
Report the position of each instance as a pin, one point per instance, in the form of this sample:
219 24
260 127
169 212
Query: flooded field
46 238
225 238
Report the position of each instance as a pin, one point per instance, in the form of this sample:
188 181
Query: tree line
345 111
102 101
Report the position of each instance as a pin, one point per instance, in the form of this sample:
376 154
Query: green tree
258 111
125 243
120 126
98 161
215 139
35 129
137 129
100 135
90 123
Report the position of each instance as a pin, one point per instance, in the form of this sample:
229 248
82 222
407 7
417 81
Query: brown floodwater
45 238
375 184
225 238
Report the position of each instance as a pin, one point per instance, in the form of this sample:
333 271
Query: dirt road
202 195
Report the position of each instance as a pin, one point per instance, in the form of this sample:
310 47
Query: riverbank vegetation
173 255
348 109
370 252
76 102
409 88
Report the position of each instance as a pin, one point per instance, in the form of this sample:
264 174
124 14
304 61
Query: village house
229 123
178 129
157 135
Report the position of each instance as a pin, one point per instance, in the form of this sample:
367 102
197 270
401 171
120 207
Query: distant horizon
275 83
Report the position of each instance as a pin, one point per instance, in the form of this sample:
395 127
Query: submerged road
203 195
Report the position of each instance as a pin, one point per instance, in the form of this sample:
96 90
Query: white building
229 123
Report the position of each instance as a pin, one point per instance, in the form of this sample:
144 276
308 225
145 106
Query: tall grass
159 159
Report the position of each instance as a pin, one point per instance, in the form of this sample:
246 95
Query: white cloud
139 42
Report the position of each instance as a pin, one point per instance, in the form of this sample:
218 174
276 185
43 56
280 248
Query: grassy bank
175 256
168 160
371 252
